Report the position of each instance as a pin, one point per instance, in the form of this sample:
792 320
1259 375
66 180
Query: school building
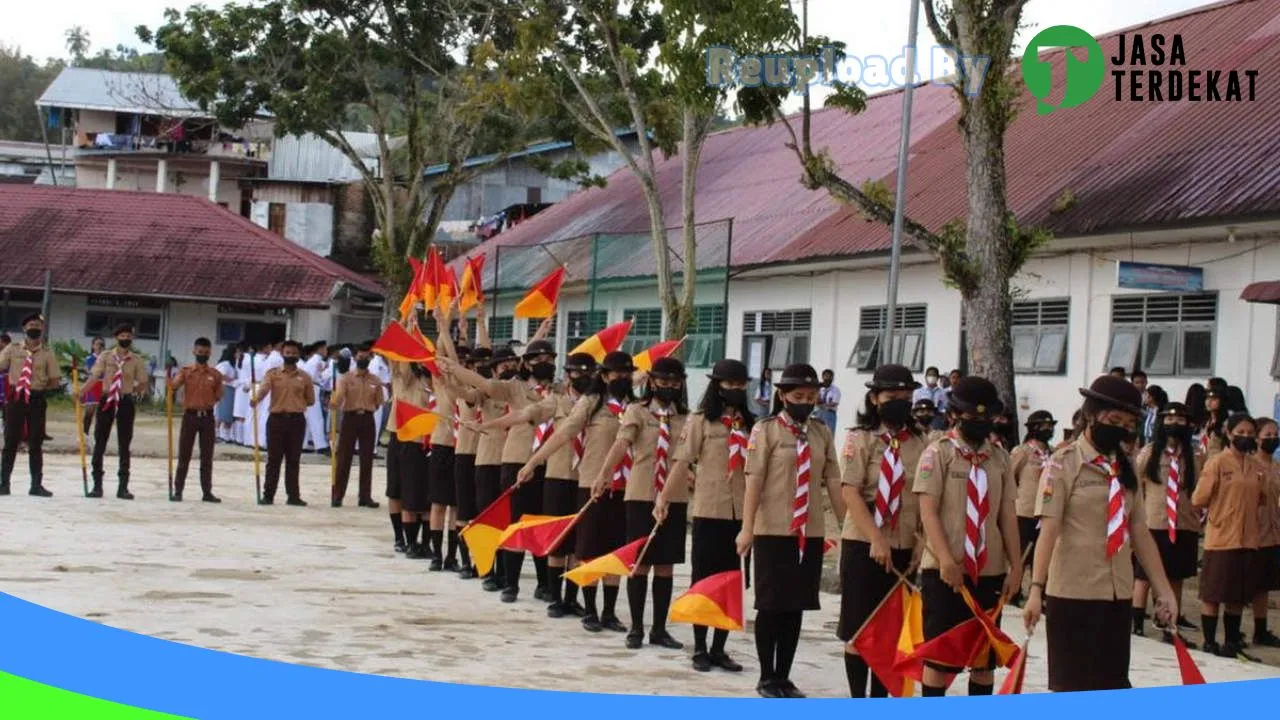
1164 214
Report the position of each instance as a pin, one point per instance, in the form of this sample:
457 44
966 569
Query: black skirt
488 486
715 547
667 547
560 498
1088 644
1180 559
1267 574
782 581
603 527
864 584
415 494
441 480
464 486
527 499
1028 532
944 609
1228 577
394 449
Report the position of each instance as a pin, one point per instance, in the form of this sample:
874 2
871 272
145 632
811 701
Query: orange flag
481 534
536 534
1190 673
605 341
472 278
1012 684
411 296
891 634
429 280
1005 649
620 562
397 344
644 361
446 281
964 645
412 422
541 300
714 601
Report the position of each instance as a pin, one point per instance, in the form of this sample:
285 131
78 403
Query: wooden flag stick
640 557
75 395
257 467
577 516
168 421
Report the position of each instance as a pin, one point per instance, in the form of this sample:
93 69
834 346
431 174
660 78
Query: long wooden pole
79 411
168 421
333 452
253 385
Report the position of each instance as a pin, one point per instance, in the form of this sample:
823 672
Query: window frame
507 321
1171 321
640 339
1045 312
586 318
866 354
116 317
797 340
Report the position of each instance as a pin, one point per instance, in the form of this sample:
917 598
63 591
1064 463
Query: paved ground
319 586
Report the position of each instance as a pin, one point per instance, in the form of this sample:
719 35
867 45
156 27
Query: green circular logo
1083 77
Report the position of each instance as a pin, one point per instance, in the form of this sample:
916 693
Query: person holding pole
202 391
291 391
358 396
33 371
125 378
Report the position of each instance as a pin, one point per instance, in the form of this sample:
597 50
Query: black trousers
17 417
285 433
122 417
195 424
356 427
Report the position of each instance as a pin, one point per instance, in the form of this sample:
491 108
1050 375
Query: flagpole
79 411
900 197
640 557
577 516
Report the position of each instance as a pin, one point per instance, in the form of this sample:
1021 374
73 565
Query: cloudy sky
870 28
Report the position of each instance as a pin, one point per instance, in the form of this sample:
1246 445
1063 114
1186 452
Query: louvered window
1166 334
908 337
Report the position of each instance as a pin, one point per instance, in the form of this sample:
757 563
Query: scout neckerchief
24 379
621 471
737 443
579 446
543 430
1171 487
800 508
893 479
977 507
457 418
112 400
431 407
1117 528
663 450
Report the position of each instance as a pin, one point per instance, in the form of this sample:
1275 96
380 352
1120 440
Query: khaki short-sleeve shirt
943 474
771 463
704 444
863 452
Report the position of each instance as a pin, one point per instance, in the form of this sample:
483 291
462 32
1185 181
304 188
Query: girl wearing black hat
925 413
1091 530
714 444
602 528
1268 578
1028 460
882 521
960 478
647 435
1169 465
790 457
467 443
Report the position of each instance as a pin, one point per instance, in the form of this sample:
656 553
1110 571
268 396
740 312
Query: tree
424 76
77 43
22 81
981 255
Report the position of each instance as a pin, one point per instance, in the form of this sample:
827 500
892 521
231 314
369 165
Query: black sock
555 576
1139 618
411 532
540 569
611 600
718 639
878 690
976 689
437 539
513 564
1231 628
499 566
699 639
589 598
1259 627
788 641
464 552
637 588
930 691
662 589
1209 623
855 671
397 527
766 643
570 590
452 555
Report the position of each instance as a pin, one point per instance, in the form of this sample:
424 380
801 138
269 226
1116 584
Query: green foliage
879 192
1066 200
22 81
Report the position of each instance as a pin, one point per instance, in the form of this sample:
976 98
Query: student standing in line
225 412
926 414
468 444
124 380
33 372
1092 529
882 514
790 456
1028 461
358 396
1269 541
291 392
713 446
204 391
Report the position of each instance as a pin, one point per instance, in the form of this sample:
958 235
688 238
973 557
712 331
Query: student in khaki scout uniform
1232 489
560 487
714 445
124 377
1209 405
32 371
467 445
440 479
602 528
963 475
790 456
503 365
1083 569
1268 573
204 391
882 518
647 435
1028 461
291 391
1170 462
411 382
401 378
926 414
357 396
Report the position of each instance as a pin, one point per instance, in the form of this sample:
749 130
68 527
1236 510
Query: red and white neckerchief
1171 487
1117 524
117 383
1204 442
663 450
24 379
800 508
893 479
579 448
457 417
737 443
621 471
976 508
426 439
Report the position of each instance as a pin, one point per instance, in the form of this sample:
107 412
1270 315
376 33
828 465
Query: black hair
1239 419
712 406
1137 374
290 344
122 328
1157 393
1188 458
228 354
31 317
203 342
1217 383
1088 410
1235 400
869 418
600 389
682 402
1118 369
932 369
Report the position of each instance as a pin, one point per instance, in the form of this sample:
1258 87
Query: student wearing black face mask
925 414
1268 574
124 378
1028 460
203 392
290 391
24 408
357 396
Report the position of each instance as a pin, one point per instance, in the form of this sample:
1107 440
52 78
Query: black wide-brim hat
729 371
580 362
924 404
503 354
975 395
617 361
893 377
797 376
1115 392
1041 417
667 368
539 347
1176 409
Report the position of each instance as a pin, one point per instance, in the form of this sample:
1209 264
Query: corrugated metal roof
91 89
1128 164
534 149
161 245
309 157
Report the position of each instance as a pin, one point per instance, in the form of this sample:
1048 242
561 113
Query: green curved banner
22 699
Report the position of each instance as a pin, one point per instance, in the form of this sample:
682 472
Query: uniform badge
755 434
925 469
848 445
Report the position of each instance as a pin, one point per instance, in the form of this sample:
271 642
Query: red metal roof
1262 292
164 245
1129 165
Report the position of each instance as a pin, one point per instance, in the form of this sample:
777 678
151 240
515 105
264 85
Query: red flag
714 601
398 345
1012 684
1190 673
536 534
605 341
481 534
541 300
890 635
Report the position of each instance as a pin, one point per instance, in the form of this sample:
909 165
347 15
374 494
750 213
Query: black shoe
368 504
1235 650
451 565
1266 639
509 595
724 662
591 624
702 662
556 610
296 502
4 488
1185 624
436 565
210 498
401 547
635 640
96 492
335 503
769 689
415 552
540 593
491 584
124 494
261 501
1212 647
175 497
575 609
664 639
789 690
325 452
611 622
39 491
468 573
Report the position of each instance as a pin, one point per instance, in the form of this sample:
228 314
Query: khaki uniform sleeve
1206 484
52 373
1009 491
1018 459
578 419
99 367
1138 518
539 412
500 390
830 468
632 423
855 459
309 393
758 452
141 380
689 447
929 474
1051 500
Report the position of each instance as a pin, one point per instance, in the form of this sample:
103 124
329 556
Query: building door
275 218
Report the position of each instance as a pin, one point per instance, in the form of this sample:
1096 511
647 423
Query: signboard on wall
1168 278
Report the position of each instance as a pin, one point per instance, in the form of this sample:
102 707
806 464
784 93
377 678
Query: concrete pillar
215 173
162 170
111 173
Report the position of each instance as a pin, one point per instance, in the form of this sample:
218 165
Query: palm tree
77 43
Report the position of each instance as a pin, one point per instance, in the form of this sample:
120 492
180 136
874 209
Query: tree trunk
691 150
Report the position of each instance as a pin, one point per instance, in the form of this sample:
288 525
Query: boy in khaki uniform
1028 460
292 392
32 371
204 388
124 378
358 397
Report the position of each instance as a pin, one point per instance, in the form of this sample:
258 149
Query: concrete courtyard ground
321 586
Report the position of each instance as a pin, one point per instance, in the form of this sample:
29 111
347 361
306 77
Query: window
705 344
785 335
145 327
535 323
1163 334
583 324
646 330
908 337
1040 337
275 218
533 195
18 304
501 328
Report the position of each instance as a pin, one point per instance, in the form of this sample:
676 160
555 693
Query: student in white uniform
226 406
272 361
316 365
241 411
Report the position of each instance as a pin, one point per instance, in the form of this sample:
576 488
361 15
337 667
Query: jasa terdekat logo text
1154 68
